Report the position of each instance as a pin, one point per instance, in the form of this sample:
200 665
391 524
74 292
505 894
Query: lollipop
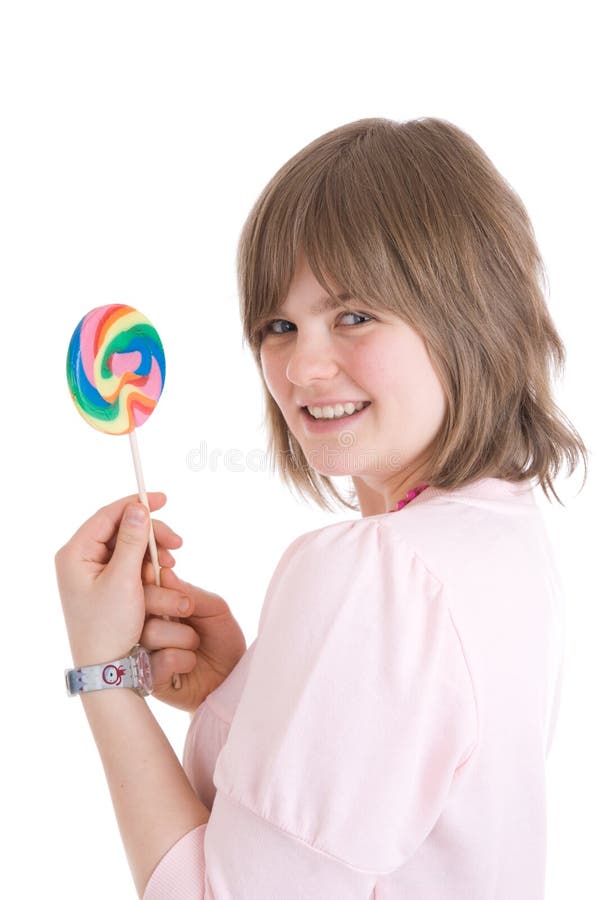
116 373
115 368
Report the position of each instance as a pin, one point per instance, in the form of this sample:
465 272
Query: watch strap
120 673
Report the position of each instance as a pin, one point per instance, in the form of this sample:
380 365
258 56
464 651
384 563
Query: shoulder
345 570
372 545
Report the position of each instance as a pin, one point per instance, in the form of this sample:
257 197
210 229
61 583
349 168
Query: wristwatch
133 671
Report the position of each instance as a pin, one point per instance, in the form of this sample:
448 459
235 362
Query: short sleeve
181 873
358 707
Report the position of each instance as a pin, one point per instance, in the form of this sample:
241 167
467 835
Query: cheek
401 374
273 368
420 392
380 368
367 365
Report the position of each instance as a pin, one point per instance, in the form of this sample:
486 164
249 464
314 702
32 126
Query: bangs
334 212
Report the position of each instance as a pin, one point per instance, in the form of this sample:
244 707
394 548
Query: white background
135 138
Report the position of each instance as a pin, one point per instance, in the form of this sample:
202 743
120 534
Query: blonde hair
414 218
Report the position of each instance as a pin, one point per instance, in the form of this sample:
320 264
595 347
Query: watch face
144 670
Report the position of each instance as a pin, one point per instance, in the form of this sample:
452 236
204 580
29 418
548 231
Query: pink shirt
385 735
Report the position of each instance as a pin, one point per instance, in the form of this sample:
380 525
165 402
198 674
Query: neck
371 502
381 498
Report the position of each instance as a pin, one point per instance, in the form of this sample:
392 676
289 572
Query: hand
203 650
100 583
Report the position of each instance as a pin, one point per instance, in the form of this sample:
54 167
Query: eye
358 316
270 328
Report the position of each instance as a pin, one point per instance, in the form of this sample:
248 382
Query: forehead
325 303
306 288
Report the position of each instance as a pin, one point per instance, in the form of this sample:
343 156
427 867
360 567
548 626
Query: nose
311 360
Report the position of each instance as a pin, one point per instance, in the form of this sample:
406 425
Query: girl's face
313 355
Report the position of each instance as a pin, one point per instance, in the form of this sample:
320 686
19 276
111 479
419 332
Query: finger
132 540
148 573
90 540
205 603
165 558
163 534
164 562
161 601
169 662
158 634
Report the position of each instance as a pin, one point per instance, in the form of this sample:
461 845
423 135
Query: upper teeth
335 412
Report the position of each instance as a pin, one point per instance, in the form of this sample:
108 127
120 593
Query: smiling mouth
334 418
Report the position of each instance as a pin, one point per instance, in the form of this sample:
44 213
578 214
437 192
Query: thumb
131 543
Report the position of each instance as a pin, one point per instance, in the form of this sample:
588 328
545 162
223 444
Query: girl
386 733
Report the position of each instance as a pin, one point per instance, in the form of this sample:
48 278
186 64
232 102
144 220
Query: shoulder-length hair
414 218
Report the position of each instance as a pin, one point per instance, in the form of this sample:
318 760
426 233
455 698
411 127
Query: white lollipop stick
137 465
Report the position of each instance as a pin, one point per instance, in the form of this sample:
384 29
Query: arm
105 604
154 802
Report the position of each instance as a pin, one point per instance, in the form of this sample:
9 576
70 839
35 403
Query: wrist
92 654
111 700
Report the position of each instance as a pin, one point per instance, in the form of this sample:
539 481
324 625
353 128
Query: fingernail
135 515
183 606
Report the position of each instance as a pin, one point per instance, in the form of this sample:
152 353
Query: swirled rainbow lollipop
116 373
115 368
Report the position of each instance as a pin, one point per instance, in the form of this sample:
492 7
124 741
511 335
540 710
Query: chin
334 463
